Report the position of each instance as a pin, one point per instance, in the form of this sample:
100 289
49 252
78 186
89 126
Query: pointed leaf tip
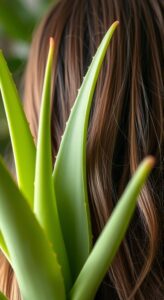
116 23
52 42
109 241
151 161
69 176
44 198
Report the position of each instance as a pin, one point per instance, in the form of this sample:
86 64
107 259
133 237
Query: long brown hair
126 123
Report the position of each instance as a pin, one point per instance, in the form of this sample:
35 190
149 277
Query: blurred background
18 19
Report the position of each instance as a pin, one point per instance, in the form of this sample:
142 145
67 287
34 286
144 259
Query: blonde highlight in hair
126 123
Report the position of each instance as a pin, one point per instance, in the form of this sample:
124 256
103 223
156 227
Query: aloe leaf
109 241
2 297
21 138
69 174
34 262
44 201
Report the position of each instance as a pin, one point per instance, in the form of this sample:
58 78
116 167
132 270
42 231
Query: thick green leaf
44 201
38 273
2 297
70 168
21 138
108 243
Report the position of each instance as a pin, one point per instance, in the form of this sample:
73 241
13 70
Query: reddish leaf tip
151 161
52 42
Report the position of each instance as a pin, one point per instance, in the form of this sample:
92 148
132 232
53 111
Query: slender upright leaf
107 245
44 201
21 138
70 168
38 273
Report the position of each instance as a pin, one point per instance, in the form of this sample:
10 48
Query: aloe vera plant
45 227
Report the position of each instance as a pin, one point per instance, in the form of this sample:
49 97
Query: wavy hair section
126 123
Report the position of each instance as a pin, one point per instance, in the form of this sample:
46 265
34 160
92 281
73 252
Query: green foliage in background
44 217
18 19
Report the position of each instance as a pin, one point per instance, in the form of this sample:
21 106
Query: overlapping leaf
21 138
70 168
44 201
36 267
